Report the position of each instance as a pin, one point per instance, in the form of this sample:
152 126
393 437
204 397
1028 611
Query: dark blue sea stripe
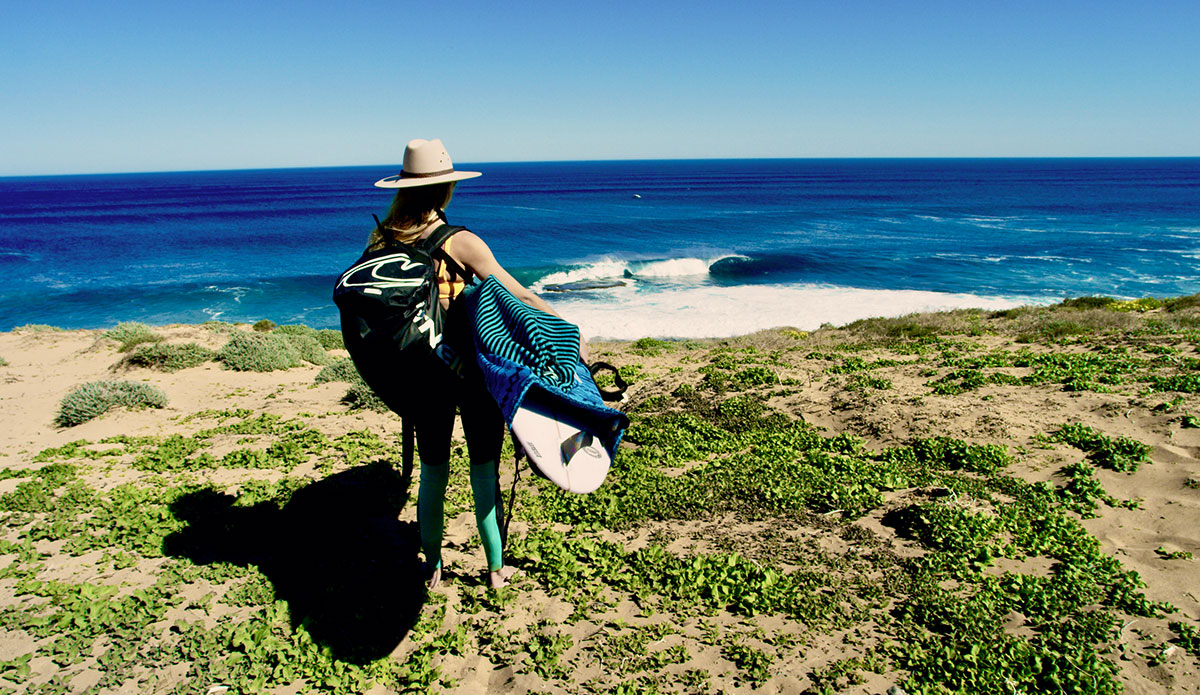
507 327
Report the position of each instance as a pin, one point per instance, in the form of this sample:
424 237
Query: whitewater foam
614 268
717 312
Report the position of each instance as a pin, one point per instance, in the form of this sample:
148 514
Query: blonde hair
412 210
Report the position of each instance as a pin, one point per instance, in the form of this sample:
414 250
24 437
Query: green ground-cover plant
757 489
866 381
854 364
968 379
1079 371
169 357
651 347
1182 383
131 334
1115 453
93 399
3 362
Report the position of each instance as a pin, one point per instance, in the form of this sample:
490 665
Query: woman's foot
500 577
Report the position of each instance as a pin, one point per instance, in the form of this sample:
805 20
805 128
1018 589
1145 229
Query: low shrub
169 357
295 329
264 326
130 334
307 347
3 362
341 370
360 396
1088 302
95 398
331 339
252 352
1192 301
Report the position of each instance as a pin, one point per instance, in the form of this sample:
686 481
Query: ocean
678 248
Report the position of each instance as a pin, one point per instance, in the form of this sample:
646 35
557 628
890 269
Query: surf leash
518 453
609 394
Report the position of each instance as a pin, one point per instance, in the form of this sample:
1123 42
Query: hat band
410 175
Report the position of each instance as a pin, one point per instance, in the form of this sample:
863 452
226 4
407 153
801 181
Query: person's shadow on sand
335 552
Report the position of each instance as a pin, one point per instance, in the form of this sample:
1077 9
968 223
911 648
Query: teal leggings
483 426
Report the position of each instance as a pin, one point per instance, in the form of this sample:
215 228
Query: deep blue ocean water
704 248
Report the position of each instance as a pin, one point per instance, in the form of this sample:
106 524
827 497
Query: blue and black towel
519 348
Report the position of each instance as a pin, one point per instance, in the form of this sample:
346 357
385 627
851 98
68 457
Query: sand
43 366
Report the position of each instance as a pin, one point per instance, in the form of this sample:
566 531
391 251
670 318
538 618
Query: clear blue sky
91 86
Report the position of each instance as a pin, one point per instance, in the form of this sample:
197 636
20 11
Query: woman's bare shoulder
468 244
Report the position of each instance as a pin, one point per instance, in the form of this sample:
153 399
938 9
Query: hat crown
426 157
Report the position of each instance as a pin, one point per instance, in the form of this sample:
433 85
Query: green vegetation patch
1115 453
254 352
651 347
130 334
331 339
93 399
169 357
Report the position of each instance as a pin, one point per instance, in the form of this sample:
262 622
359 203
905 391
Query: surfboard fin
571 445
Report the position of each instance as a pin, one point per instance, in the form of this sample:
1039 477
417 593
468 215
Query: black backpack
391 317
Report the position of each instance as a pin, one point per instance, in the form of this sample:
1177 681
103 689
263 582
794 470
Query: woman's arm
473 253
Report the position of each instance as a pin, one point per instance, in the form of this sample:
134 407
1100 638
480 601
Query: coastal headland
968 501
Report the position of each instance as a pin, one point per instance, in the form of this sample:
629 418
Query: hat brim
401 181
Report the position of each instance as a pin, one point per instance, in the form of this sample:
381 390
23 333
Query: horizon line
600 160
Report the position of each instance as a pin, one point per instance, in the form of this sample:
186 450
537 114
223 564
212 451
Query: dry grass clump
1071 317
95 398
955 322
37 328
169 357
130 334
1191 301
1057 322
220 327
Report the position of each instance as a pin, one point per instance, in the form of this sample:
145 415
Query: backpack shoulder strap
433 246
439 236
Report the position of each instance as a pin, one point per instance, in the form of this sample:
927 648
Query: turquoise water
678 248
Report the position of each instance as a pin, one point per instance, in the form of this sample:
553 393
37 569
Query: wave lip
606 271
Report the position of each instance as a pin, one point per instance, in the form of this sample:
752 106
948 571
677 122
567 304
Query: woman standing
424 188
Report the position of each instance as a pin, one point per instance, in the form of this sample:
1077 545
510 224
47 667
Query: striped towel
519 348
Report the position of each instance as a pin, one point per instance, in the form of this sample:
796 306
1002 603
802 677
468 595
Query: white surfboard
565 453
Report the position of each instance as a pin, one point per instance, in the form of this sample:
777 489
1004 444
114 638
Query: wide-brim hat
425 163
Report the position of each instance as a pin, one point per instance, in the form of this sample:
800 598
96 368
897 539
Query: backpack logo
385 272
